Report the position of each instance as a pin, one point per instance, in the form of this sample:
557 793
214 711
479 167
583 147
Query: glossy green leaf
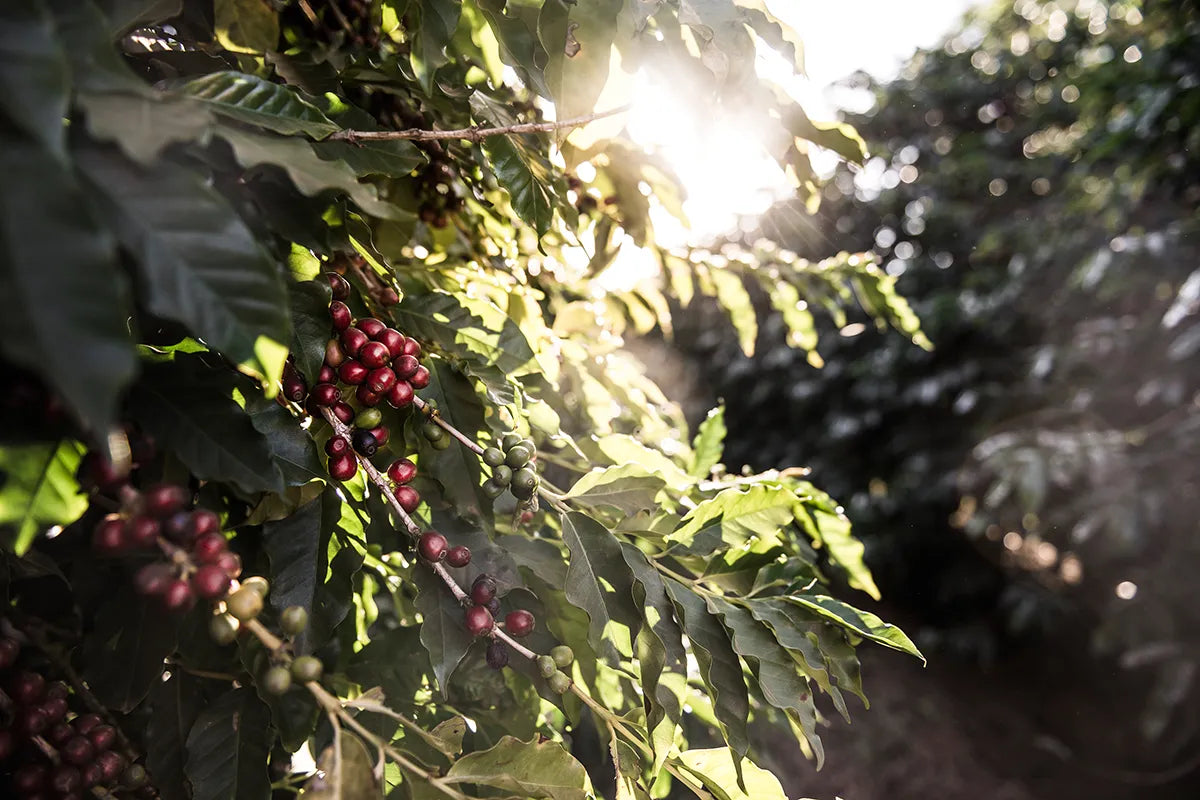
716 770
737 517
292 448
387 662
255 101
709 444
733 297
471 328
599 582
246 26
228 747
456 468
624 449
438 19
126 650
663 649
526 189
443 630
144 123
531 769
844 549
297 548
34 80
175 704
628 488
38 489
584 65
863 623
309 305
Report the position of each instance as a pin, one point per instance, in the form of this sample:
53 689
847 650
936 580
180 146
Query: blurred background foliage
1027 489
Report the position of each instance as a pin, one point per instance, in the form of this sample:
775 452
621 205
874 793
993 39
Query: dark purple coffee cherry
497 654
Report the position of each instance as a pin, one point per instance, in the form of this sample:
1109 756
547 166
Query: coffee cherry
479 620
293 620
432 546
10 649
294 388
205 522
335 356
491 489
153 579
92 775
326 394
405 367
458 556
381 380
493 457
327 374
389 297
165 499
277 680
510 441
109 537
366 397
258 584
420 378
231 563
497 654
352 372
135 777
33 721
307 669
245 604
339 286
563 655
102 737
178 596
66 780
352 342
223 629
483 590
178 527
60 734
559 683
340 314
518 456
494 607
85 723
412 347
208 549
546 666
337 445
393 340
400 395
374 355
26 688
97 472
343 467
381 434
143 531
210 582
368 418
502 475
432 432
364 442
402 471
519 623
344 412
407 497
30 778
111 764
524 483
371 327
55 709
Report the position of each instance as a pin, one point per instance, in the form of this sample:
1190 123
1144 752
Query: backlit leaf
38 489
228 747
531 769
600 582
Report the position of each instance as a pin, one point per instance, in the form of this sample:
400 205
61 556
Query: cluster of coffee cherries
440 198
48 751
512 468
198 563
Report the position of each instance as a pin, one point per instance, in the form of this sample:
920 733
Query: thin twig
476 133
447 427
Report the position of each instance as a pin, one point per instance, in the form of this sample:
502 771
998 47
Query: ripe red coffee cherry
352 341
208 548
326 375
458 556
111 764
33 721
143 531
340 314
405 367
55 708
78 751
153 579
344 412
326 394
9 650
366 397
334 355
381 434
412 348
420 378
400 395
479 620
432 546
97 472
519 623
393 340
205 522
165 499
109 537
389 297
178 596
338 285
337 445
371 327
66 780
26 688
381 380
57 691
352 372
85 723
402 470
483 590
102 737
92 775
294 389
374 354
407 497
210 582
60 734
343 467
30 778
231 563
178 527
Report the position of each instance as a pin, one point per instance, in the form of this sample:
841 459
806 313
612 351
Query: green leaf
709 444
733 297
456 468
719 666
802 329
662 634
143 122
259 102
526 191
621 448
876 291
125 651
394 158
844 549
65 311
246 26
309 304
387 662
592 26
438 20
38 490
836 136
187 406
297 548
737 517
531 769
347 772
472 328
126 14
292 448
863 623
34 79
198 262
791 625
600 582
174 706
719 774
443 631
228 748
628 488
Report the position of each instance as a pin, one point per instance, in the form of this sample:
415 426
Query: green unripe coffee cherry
276 680
546 666
502 475
529 445
135 777
432 432
524 483
293 620
559 682
442 443
257 583
245 604
307 669
563 656
375 550
518 457
510 441
493 457
491 489
368 418
223 629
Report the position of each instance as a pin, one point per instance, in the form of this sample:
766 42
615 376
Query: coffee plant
324 471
